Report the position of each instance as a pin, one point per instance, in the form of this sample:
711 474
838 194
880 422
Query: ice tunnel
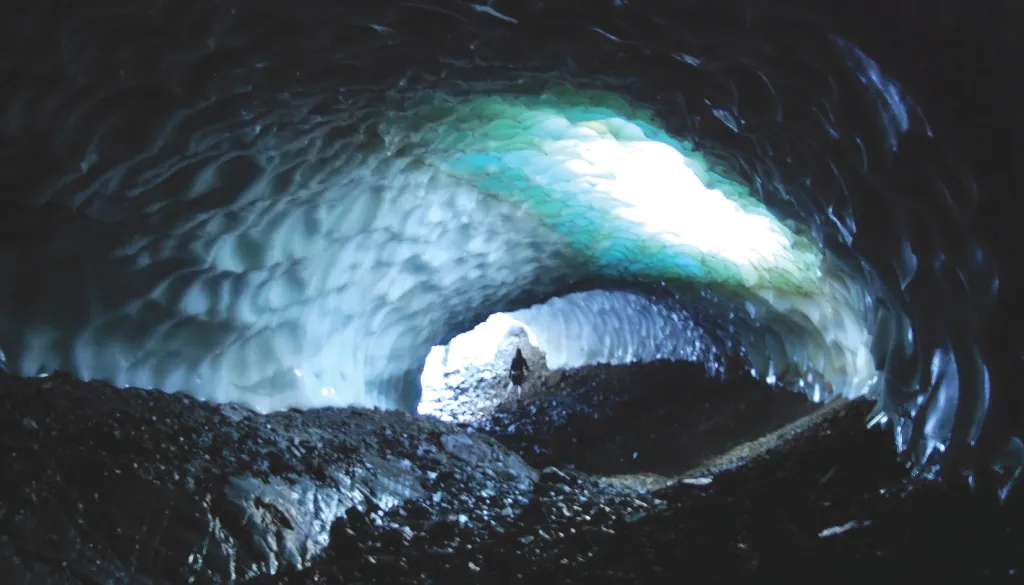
288 206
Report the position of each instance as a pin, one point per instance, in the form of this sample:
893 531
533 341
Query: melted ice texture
321 297
263 211
602 327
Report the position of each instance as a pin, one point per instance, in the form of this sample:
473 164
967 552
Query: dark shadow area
833 505
663 417
106 485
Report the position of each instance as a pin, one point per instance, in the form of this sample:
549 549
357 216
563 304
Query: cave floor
661 419
104 485
741 454
821 499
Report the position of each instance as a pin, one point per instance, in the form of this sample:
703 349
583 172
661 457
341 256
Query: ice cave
265 265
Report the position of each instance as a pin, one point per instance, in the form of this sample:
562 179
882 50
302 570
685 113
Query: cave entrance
658 415
466 381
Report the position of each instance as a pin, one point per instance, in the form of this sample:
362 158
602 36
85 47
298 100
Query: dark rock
552 475
416 510
372 507
396 539
444 529
357 521
90 467
343 540
120 485
613 430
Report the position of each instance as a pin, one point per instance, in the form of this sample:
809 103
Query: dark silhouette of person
517 373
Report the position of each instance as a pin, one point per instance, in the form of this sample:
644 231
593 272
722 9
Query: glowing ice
593 327
332 290
601 327
664 196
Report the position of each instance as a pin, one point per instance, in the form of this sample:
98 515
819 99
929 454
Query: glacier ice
297 222
334 291
612 327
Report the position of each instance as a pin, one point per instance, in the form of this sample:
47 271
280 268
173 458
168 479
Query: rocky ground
103 485
830 507
662 418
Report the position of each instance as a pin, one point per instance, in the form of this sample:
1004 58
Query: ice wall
333 290
289 203
605 327
331 296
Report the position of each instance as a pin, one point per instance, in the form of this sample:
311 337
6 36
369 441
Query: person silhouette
517 373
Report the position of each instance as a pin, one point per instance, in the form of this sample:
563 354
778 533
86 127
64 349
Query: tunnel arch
156 186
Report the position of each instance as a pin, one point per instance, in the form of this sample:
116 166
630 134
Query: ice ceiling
289 205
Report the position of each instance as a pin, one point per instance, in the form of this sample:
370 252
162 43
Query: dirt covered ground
104 485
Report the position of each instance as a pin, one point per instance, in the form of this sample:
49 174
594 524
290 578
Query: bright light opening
667 198
472 357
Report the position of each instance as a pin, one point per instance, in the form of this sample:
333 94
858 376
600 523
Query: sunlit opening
475 356
468 378
662 193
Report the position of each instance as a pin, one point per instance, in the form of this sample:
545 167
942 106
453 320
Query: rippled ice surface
289 204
